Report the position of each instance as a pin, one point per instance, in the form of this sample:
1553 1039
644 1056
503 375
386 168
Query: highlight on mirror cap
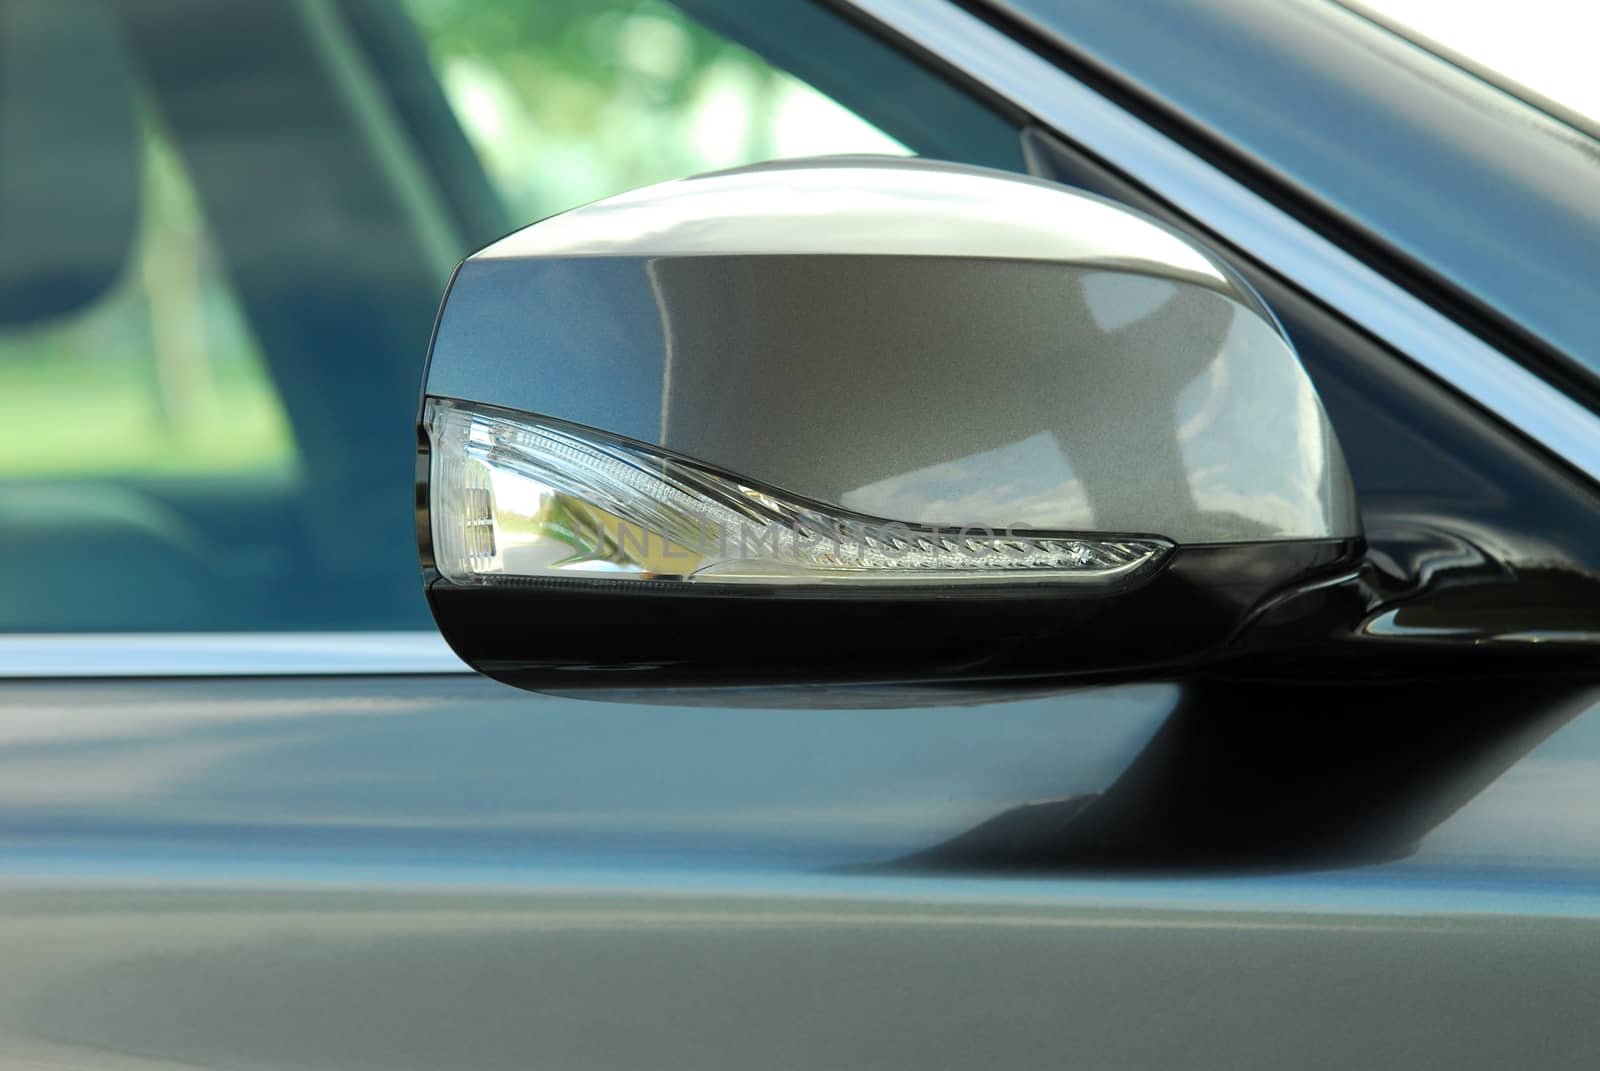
514 496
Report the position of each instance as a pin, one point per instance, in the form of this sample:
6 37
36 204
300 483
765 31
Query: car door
254 814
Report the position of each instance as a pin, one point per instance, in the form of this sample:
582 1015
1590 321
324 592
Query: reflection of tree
571 100
160 372
170 272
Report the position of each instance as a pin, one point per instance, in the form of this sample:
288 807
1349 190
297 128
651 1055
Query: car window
566 102
227 234
1542 48
127 415
159 376
1402 154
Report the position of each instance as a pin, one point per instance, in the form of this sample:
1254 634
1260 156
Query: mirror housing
861 420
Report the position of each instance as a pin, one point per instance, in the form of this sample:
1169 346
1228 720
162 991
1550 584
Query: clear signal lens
516 496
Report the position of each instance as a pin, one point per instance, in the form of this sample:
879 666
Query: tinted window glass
227 231
567 101
1489 195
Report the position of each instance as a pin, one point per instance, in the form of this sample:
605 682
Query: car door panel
440 871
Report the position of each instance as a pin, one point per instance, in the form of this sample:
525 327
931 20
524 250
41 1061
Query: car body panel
319 871
345 872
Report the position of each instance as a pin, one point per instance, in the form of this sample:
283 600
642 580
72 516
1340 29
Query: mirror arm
1281 775
1354 716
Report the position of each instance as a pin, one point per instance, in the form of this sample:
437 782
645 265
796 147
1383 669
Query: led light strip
517 496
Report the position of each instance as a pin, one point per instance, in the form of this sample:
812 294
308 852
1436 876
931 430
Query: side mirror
863 421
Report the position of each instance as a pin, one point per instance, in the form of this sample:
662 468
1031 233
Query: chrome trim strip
1414 328
225 654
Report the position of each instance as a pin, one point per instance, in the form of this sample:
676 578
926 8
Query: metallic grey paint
403 873
928 343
